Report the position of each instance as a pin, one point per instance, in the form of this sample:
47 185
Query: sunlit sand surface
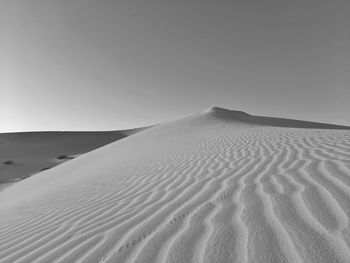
215 186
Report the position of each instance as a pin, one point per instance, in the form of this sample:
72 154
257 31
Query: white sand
217 186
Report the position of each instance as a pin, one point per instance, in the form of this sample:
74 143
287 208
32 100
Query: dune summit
215 186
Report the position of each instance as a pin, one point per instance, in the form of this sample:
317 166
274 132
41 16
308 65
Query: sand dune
32 152
216 186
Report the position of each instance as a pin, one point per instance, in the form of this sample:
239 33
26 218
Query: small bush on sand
8 162
62 157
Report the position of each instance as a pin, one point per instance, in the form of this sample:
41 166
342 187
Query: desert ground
214 186
24 154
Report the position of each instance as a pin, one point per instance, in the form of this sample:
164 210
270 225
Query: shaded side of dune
26 153
271 121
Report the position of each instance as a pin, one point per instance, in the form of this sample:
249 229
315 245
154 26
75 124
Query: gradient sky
103 64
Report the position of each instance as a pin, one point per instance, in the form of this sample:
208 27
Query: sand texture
216 186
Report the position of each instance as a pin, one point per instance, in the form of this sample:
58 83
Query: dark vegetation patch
8 162
64 157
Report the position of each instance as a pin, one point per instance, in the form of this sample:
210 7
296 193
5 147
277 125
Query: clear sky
103 64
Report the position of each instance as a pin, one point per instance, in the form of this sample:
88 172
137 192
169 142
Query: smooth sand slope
32 152
217 186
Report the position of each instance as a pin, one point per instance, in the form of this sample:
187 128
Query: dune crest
269 121
214 186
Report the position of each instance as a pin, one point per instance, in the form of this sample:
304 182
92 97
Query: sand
32 152
215 186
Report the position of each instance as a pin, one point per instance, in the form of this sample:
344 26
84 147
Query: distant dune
26 153
214 186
